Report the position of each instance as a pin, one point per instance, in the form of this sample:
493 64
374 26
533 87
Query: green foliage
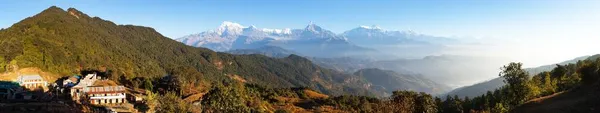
499 108
516 80
520 88
350 103
151 99
589 72
148 84
172 103
425 103
3 64
226 99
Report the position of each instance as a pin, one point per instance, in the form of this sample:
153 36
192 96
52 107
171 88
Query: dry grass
238 78
313 95
194 97
291 108
287 99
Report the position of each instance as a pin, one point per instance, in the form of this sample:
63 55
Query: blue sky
534 28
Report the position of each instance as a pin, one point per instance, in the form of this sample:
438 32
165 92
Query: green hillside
67 42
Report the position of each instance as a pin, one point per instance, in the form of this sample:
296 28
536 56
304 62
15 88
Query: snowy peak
228 24
313 28
277 31
252 27
229 28
374 27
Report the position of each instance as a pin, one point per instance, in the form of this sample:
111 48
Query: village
76 93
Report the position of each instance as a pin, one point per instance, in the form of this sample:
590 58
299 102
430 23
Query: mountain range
362 42
404 44
312 40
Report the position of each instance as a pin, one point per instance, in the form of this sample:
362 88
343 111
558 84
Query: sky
536 32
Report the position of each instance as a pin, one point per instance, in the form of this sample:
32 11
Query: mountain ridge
312 40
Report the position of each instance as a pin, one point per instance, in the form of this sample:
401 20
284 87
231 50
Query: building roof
86 81
29 77
104 89
73 79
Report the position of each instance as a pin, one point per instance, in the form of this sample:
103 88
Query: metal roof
104 89
29 77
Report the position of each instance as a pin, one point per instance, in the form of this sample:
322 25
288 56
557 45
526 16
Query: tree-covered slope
270 51
392 81
483 87
66 42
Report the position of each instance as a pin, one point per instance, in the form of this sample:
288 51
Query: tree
439 104
169 83
516 80
148 84
151 100
452 105
549 84
499 108
226 99
172 103
2 64
589 73
425 104
560 72
404 101
467 104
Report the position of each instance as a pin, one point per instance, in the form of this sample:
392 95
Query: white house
105 94
31 81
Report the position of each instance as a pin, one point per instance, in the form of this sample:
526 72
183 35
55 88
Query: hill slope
383 80
66 42
392 81
481 88
584 99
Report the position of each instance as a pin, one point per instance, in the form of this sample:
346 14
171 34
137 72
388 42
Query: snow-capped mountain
228 33
375 34
401 43
312 40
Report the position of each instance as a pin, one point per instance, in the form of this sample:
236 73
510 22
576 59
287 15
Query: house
105 94
31 81
71 81
78 90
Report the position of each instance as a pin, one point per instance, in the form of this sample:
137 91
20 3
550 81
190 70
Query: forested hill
392 81
66 42
483 87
